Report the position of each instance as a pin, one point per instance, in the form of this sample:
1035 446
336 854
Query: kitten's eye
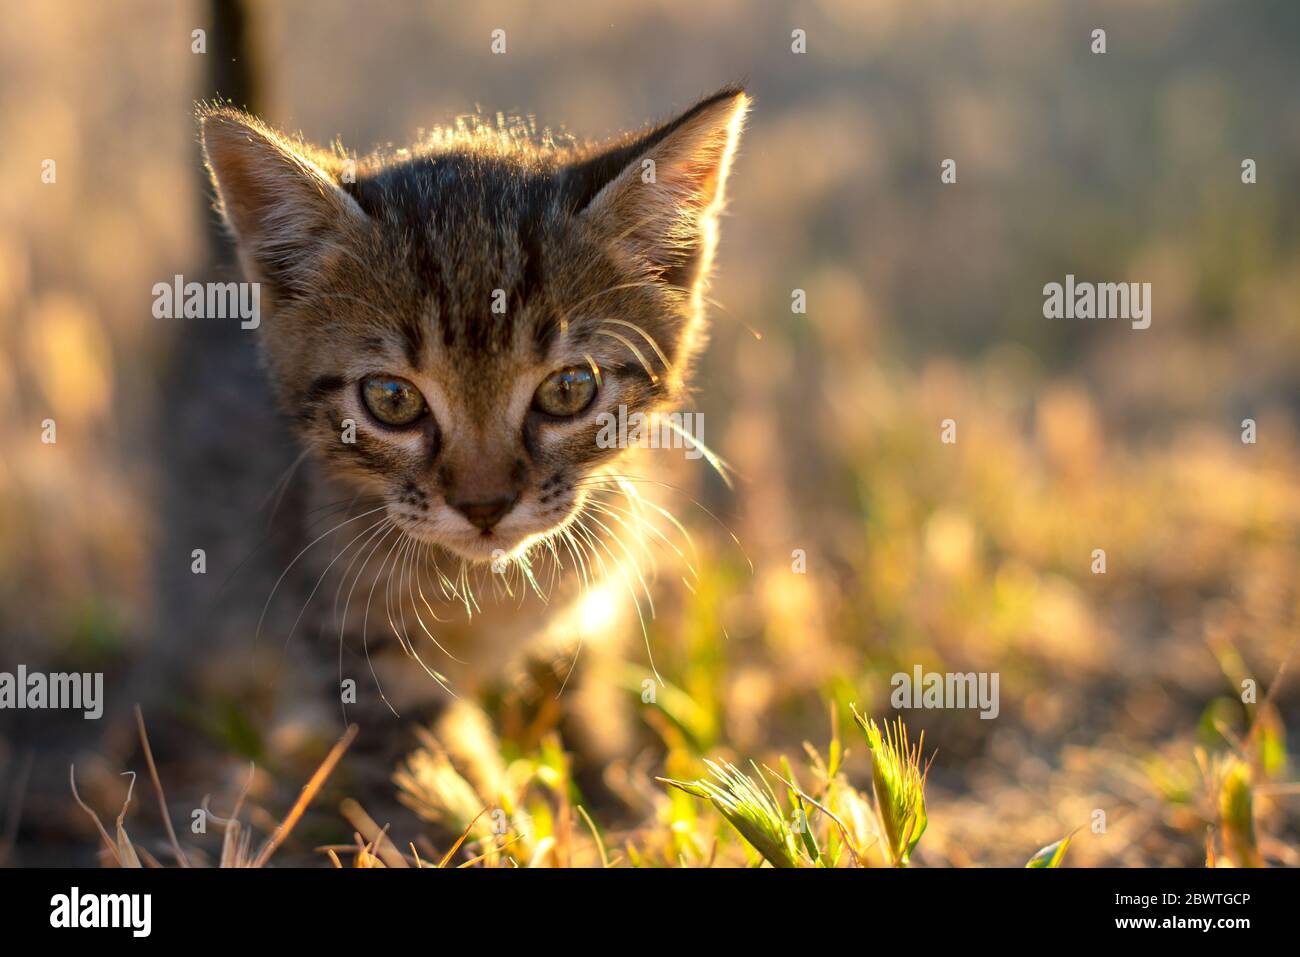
393 401
566 392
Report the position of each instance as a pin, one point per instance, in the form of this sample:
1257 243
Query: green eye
566 392
393 401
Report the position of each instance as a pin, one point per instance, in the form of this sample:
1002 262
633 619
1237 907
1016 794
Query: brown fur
394 270
396 274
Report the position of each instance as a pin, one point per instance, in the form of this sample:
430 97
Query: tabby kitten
443 325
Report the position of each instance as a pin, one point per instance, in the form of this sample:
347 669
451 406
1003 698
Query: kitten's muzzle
485 514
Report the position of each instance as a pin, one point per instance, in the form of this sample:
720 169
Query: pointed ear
659 194
282 200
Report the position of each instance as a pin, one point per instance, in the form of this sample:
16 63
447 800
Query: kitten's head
473 304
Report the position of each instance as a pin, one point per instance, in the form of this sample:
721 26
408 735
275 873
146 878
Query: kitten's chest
421 617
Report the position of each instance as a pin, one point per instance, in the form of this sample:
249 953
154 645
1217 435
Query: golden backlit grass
1121 693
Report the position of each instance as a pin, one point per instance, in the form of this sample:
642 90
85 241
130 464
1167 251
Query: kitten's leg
576 667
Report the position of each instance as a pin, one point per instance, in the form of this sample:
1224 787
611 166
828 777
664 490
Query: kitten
444 325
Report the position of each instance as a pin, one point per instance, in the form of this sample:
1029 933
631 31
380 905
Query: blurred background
924 302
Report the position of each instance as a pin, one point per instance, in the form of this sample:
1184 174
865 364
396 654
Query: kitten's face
446 328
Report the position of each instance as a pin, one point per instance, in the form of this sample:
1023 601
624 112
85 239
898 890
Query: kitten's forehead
497 273
477 236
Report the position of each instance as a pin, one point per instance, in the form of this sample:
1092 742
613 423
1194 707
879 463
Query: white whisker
297 557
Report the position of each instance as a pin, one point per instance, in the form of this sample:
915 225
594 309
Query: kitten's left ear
659 194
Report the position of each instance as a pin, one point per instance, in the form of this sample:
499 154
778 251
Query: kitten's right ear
282 202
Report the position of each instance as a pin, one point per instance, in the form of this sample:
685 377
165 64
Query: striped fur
392 264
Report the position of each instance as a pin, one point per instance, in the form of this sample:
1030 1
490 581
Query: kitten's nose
486 513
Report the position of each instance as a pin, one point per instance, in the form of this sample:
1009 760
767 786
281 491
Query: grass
898 781
490 812
237 843
1145 711
1142 710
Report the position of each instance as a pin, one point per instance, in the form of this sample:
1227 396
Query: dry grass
1123 694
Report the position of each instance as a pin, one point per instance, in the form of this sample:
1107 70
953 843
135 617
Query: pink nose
487 513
